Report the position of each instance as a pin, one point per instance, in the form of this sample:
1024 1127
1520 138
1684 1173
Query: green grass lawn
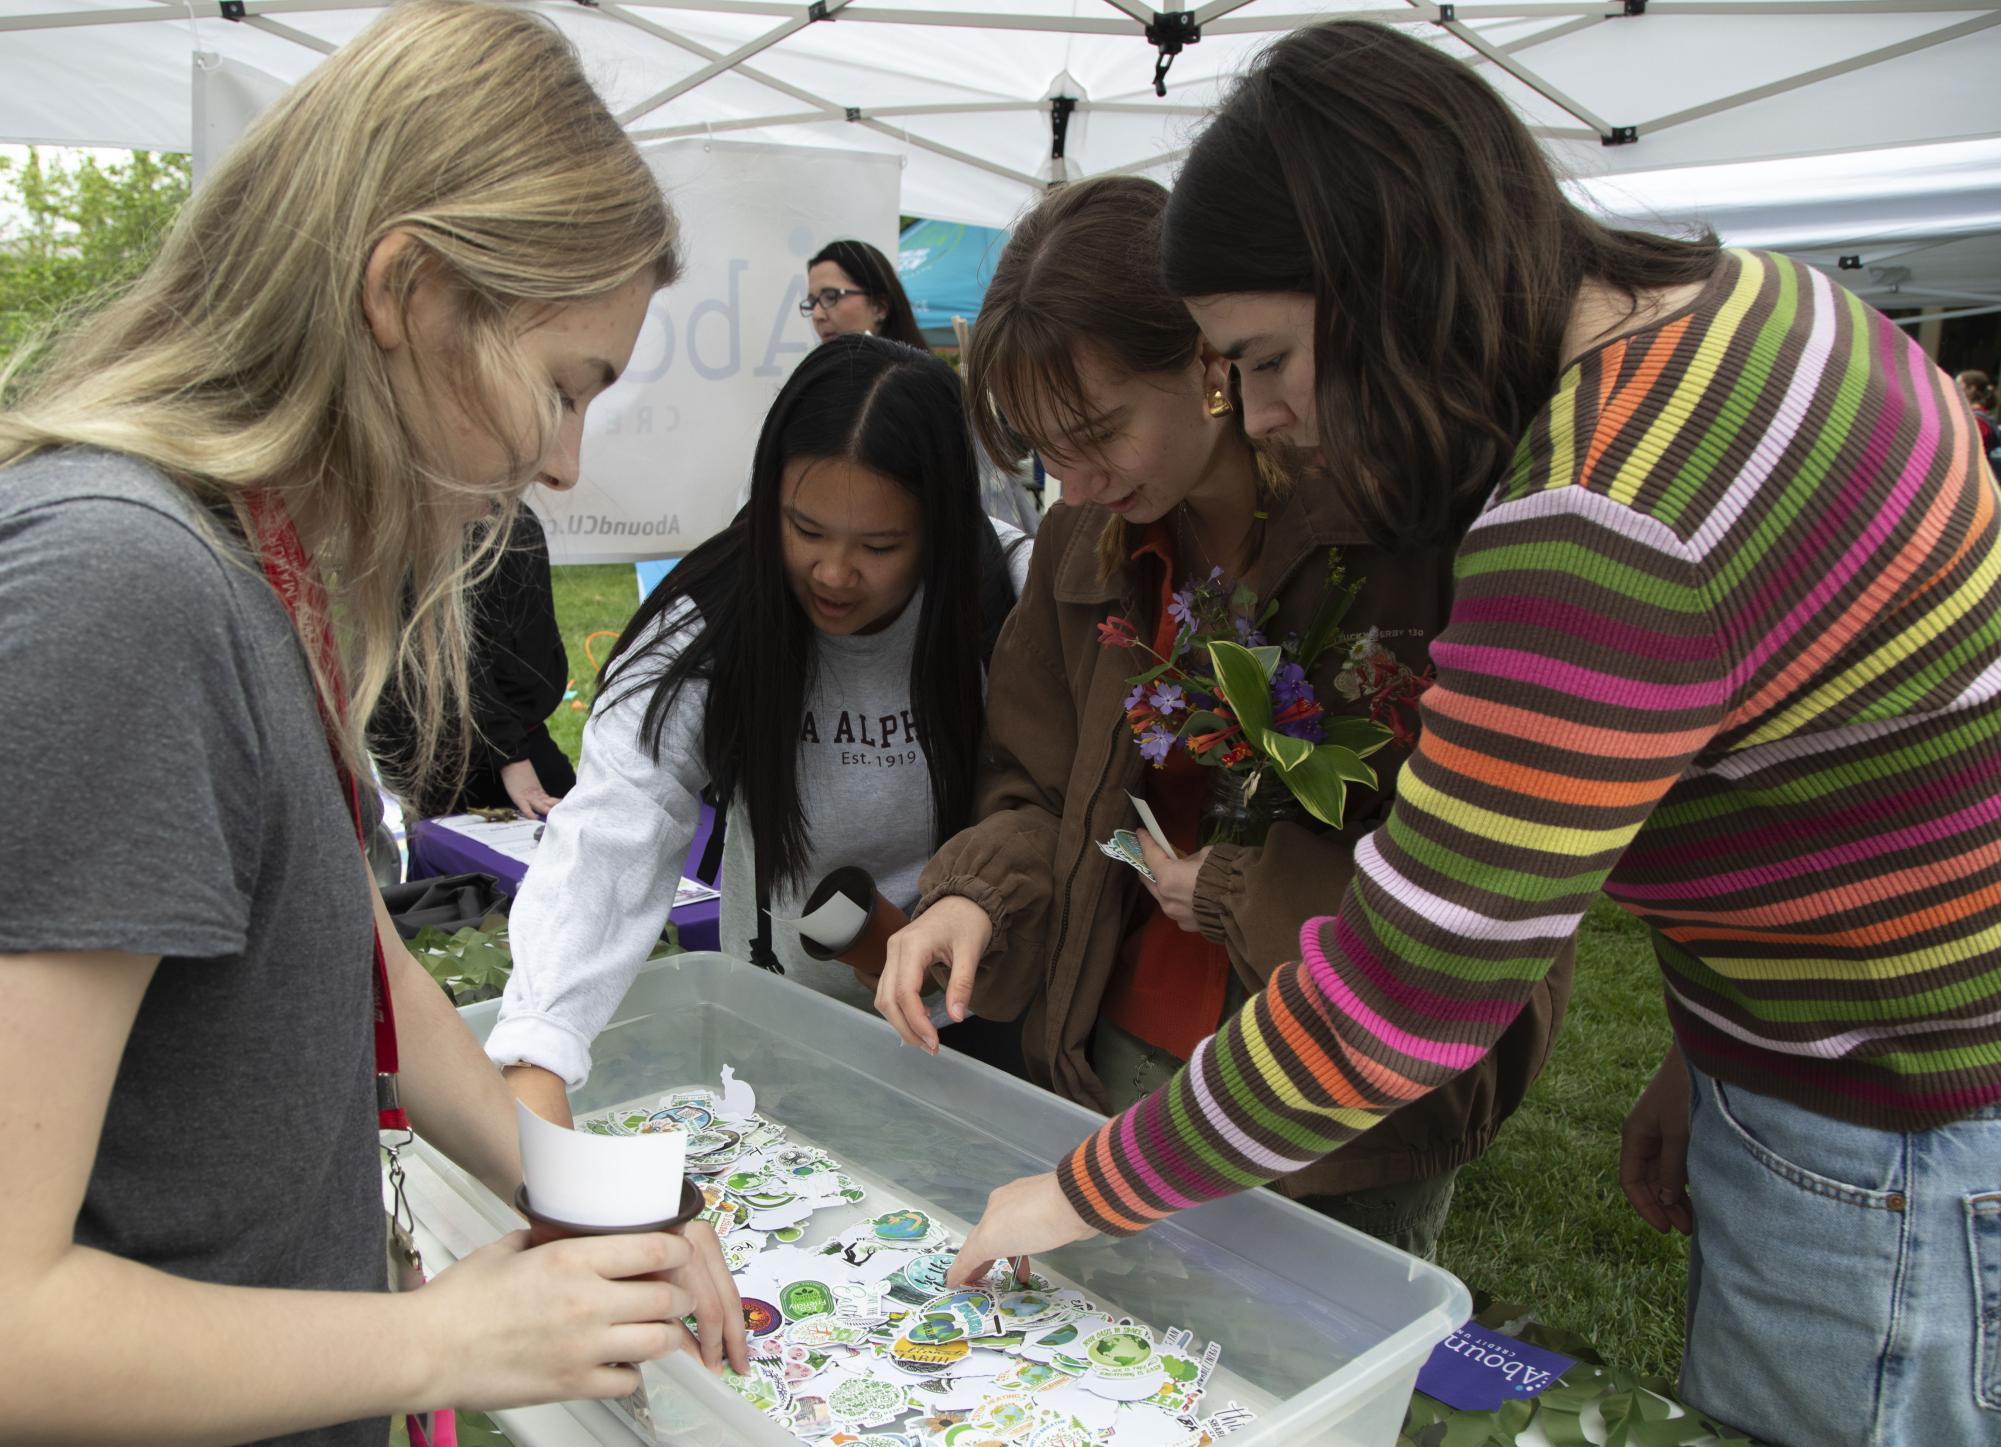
590 598
1540 1219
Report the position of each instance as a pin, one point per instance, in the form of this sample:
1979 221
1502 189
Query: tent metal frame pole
1137 168
952 153
1825 72
620 14
1133 9
876 113
1212 14
1216 10
286 32
827 109
990 20
717 128
827 10
1480 45
1555 32
77 19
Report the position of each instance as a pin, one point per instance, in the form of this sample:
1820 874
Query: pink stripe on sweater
1894 574
1436 1052
1162 1142
1520 666
1985 812
1409 996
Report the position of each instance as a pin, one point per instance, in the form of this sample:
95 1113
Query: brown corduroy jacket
1060 760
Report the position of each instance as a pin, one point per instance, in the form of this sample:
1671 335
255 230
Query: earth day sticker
902 1226
802 1299
866 1401
1121 1351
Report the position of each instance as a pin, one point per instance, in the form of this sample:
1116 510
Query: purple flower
1247 635
1215 575
1310 729
1289 685
1154 744
1133 699
1182 606
1167 697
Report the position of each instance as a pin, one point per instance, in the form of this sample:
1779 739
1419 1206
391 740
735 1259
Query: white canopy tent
1866 129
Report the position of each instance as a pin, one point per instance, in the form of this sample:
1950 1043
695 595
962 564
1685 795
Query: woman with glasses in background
852 287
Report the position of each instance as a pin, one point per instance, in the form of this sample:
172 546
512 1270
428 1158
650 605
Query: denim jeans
1844 1284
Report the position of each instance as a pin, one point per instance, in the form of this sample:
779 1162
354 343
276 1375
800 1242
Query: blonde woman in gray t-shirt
381 318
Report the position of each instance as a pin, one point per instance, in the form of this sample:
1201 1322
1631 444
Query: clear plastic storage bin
1322 1328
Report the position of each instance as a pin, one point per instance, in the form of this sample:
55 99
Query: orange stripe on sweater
1542 728
1541 784
1100 1146
1616 410
1877 933
1329 1076
1843 897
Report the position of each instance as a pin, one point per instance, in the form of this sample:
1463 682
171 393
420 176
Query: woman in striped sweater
1725 645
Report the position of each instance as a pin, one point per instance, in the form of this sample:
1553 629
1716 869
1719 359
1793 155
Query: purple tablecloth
435 850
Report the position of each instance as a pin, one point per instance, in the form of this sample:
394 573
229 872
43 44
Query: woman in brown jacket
1115 978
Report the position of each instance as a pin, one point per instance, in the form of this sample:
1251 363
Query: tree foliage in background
73 230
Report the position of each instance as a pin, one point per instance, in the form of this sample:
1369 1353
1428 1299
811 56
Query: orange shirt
1170 983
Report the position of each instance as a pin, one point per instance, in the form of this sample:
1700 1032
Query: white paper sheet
593 1180
1153 826
835 924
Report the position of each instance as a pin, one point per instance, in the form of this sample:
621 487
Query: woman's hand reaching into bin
1023 1218
954 932
718 1310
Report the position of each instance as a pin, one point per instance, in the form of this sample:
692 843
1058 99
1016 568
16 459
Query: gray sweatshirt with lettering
602 883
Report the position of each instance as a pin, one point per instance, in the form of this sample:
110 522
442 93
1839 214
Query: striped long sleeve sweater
1726 644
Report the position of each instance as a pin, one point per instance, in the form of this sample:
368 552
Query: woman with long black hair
818 667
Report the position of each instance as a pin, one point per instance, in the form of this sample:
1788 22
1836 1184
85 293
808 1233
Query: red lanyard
291 573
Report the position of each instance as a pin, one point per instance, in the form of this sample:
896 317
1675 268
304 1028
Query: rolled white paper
593 1180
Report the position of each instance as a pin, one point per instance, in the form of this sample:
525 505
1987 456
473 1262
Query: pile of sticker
858 1343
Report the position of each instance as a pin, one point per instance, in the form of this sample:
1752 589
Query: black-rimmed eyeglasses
827 298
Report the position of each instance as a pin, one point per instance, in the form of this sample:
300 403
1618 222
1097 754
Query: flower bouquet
1236 702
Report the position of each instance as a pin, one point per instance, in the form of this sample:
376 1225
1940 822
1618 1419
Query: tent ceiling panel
1734 80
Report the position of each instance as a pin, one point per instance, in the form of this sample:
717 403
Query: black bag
449 902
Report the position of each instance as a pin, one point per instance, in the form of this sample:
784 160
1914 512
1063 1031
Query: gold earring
1219 403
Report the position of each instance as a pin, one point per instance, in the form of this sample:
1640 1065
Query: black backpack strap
711 867
761 953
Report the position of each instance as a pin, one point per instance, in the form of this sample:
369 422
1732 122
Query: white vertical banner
668 447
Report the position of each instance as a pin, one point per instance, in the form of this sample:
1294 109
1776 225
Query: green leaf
1320 782
1245 686
1151 674
1267 656
1284 750
1363 736
1324 628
